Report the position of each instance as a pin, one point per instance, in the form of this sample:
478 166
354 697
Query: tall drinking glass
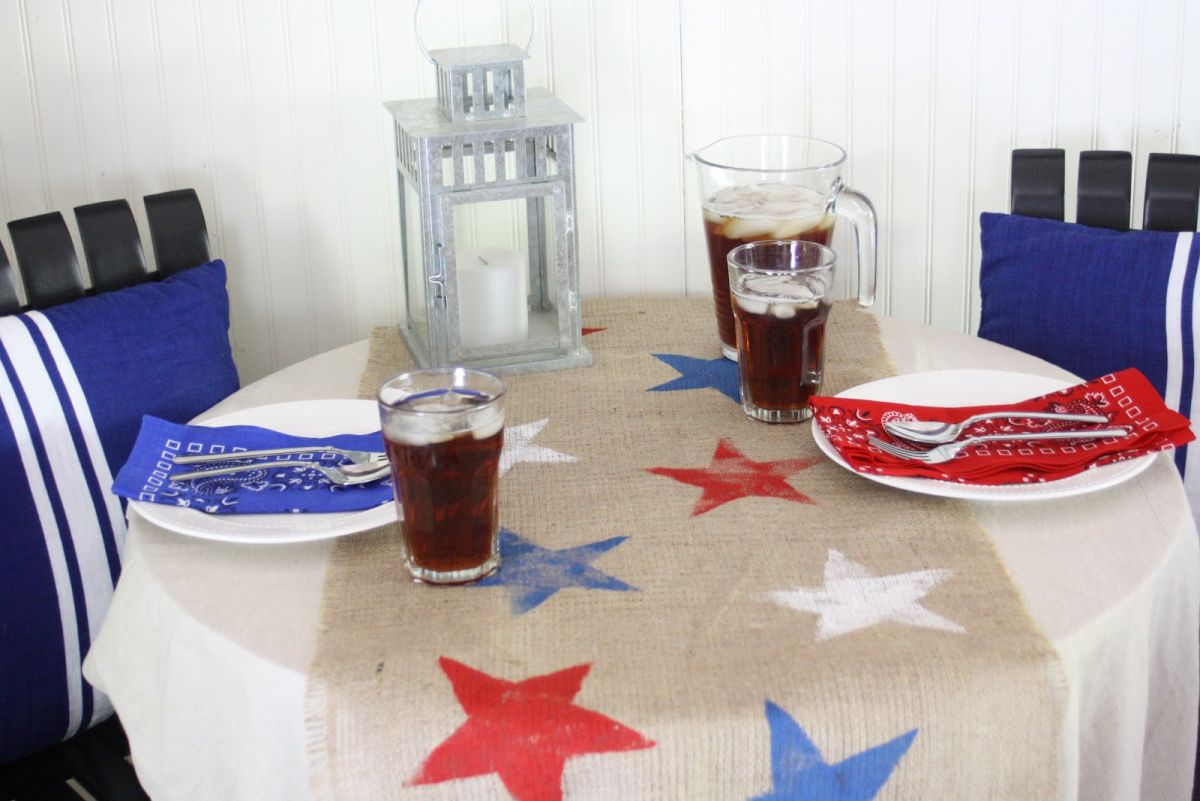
780 292
443 428
777 187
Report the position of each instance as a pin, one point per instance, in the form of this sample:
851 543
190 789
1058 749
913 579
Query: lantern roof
483 55
425 119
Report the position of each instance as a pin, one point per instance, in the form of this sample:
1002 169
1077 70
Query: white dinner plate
320 418
975 388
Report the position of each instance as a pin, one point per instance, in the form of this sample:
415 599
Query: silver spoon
342 475
357 457
932 432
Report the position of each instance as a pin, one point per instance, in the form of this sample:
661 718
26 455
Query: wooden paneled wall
272 110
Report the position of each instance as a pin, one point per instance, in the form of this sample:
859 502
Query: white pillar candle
492 306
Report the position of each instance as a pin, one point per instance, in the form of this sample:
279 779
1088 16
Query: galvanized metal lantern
487 217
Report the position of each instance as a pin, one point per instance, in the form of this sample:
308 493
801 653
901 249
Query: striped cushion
1094 301
74 383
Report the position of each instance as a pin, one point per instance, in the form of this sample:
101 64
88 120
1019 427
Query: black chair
50 267
95 763
1104 191
1172 203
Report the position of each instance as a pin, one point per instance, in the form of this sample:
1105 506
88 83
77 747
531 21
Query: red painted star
524 731
731 476
587 330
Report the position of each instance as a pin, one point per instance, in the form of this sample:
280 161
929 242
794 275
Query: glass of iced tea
443 428
777 187
780 291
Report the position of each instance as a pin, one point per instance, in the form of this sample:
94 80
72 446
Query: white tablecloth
206 647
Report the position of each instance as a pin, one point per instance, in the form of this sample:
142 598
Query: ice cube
486 422
436 419
727 194
777 191
748 228
751 305
796 291
783 311
800 225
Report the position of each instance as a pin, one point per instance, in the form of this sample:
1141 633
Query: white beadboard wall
272 110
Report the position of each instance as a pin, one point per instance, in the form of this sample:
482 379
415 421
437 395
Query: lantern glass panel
506 265
413 246
492 263
543 281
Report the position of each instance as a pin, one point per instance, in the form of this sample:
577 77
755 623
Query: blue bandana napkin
146 476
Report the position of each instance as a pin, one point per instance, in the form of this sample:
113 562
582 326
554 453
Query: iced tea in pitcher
782 187
736 215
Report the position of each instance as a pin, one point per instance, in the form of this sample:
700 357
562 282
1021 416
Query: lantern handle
425 51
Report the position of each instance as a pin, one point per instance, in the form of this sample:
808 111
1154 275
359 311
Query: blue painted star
720 374
800 773
533 573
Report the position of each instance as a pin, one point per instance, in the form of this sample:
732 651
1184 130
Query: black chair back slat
1105 189
177 230
1038 183
47 260
1172 192
111 245
9 304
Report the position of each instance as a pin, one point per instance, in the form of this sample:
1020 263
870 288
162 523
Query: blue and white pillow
75 381
1093 301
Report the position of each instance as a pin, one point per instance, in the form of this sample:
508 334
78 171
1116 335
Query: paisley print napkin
1125 397
146 476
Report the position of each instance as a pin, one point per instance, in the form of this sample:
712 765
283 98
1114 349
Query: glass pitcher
777 187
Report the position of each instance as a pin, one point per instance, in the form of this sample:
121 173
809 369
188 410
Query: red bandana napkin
1126 398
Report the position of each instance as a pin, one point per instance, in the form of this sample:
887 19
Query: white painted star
519 447
853 598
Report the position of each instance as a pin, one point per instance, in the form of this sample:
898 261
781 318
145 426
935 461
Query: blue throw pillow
75 381
1094 301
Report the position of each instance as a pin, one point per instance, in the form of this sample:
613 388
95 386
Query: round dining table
207 645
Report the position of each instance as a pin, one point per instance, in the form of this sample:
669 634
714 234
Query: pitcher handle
857 208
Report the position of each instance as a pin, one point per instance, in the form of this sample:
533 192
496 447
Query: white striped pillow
75 381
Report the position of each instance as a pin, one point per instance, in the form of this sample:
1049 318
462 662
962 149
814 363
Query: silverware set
360 467
945 436
363 467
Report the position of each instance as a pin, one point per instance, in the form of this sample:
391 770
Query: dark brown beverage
448 491
751 213
780 354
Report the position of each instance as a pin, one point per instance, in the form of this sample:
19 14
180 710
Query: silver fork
944 453
335 474
356 457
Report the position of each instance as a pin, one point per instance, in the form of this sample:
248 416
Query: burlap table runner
692 606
